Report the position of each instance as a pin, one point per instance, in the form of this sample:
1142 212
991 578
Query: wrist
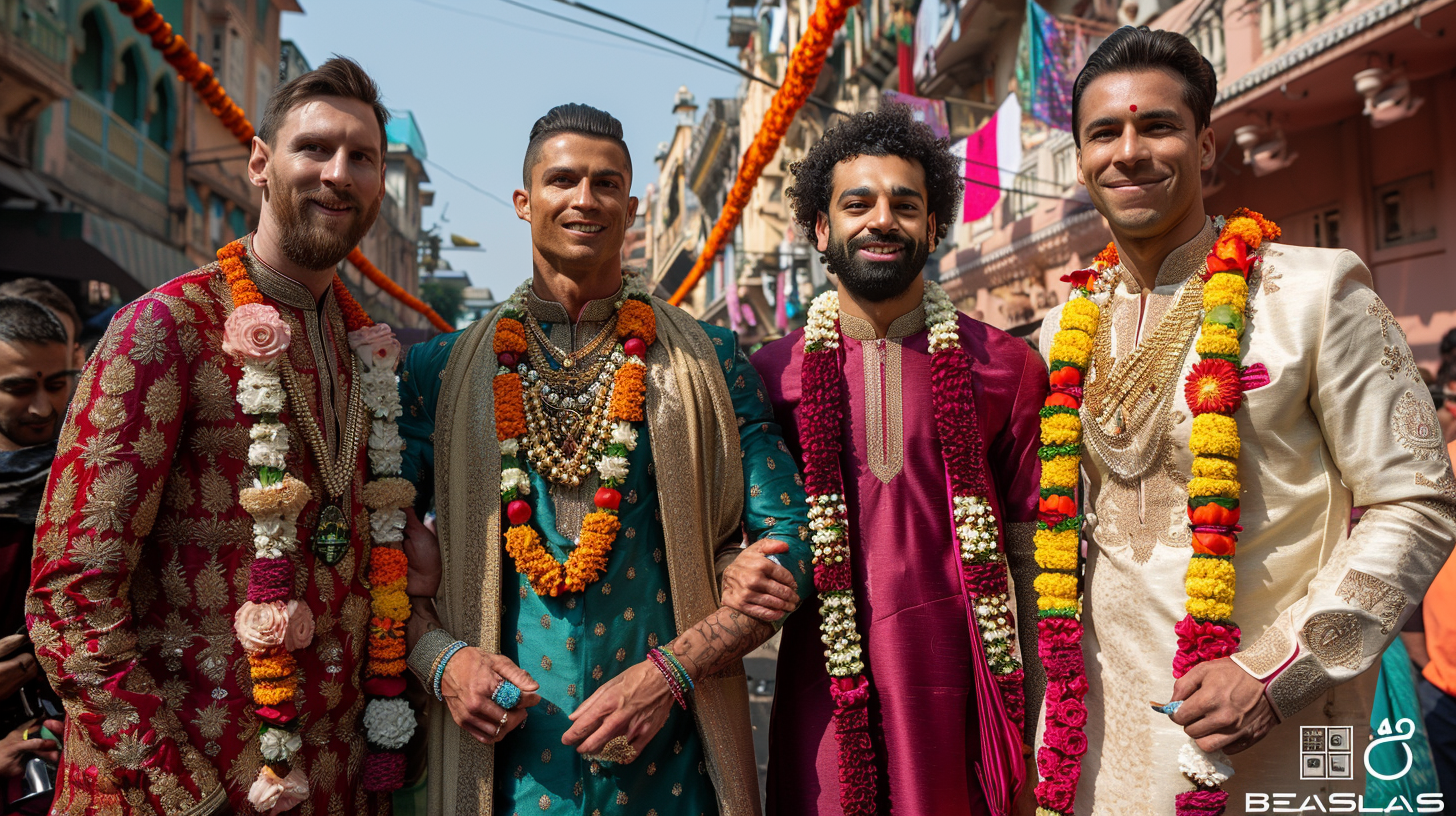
442 667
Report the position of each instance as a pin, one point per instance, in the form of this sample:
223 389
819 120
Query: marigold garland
800 76
636 330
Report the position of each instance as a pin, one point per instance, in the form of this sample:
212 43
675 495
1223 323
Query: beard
306 238
876 281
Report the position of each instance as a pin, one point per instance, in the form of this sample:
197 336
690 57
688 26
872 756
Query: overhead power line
470 184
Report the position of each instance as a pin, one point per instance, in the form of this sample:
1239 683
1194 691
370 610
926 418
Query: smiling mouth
586 229
331 209
881 252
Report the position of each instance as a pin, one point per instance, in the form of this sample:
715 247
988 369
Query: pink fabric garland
1201 802
271 579
383 771
1202 640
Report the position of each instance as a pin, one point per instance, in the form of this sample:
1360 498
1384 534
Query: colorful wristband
441 664
673 685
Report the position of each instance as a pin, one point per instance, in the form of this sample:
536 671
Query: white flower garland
975 523
1206 770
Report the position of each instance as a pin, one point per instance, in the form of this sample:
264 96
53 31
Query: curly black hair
890 131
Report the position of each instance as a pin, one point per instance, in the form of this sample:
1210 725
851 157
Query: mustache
859 241
334 199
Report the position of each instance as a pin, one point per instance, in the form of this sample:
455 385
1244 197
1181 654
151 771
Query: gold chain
337 471
569 360
1140 386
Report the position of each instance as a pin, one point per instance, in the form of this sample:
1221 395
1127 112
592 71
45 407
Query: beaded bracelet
440 667
676 664
673 685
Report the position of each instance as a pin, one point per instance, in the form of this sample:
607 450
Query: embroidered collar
549 311
280 287
1180 265
857 328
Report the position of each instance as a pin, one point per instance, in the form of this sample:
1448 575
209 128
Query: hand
18 670
471 677
15 747
1224 707
758 587
422 549
635 703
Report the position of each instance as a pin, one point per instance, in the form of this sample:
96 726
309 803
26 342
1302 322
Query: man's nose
336 169
584 198
882 218
1130 146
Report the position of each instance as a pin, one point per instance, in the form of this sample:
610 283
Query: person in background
50 296
36 379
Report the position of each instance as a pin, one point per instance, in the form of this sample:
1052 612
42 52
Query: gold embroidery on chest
214 393
211 586
119 377
148 337
70 433
63 495
96 553
884 408
217 492
130 752
1397 356
212 441
1374 596
1416 426
179 495
1334 637
116 714
107 498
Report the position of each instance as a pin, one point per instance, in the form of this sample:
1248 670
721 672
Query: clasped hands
1224 707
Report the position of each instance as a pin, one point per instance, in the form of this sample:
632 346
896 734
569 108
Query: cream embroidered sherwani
1344 422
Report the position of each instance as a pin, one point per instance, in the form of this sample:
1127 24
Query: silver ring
500 727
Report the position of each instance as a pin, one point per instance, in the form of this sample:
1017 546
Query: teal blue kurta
574 643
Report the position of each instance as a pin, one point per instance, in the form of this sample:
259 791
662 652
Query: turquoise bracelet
440 669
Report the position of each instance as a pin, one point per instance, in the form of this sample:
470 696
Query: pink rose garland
255 332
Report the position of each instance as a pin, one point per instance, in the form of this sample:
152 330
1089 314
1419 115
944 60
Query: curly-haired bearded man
887 393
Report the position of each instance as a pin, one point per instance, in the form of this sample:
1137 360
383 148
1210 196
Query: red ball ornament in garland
635 347
507 359
608 499
518 512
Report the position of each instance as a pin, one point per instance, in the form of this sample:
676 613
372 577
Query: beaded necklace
605 438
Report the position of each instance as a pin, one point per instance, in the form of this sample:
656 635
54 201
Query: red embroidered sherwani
142 557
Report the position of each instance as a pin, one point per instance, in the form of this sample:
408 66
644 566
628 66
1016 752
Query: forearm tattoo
717 641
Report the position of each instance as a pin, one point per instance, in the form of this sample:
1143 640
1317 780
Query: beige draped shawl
696 453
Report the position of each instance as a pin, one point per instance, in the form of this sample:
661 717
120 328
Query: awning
25 183
82 246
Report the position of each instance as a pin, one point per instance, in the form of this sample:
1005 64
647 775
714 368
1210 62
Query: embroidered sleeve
1017 472
419 394
774 503
1384 440
105 488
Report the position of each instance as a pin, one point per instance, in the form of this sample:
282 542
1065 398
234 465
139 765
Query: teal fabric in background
1395 700
572 644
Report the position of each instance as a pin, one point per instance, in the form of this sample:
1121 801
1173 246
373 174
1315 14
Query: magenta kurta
918 632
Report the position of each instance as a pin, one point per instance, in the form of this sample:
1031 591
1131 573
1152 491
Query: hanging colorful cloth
1043 69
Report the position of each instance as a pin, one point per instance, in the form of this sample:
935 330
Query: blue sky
477 85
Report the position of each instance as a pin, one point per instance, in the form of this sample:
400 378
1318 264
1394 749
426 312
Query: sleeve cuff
1292 676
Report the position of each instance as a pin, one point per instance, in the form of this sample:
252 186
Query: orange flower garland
799 81
636 330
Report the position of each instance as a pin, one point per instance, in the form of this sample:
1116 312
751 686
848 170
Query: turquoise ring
506 695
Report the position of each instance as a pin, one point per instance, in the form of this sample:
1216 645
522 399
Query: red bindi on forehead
1132 108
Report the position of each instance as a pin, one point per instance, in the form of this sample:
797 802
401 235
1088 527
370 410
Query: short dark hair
1448 342
48 295
1142 49
890 131
22 320
572 117
339 76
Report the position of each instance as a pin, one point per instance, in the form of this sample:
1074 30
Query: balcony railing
105 139
1206 33
35 27
1283 20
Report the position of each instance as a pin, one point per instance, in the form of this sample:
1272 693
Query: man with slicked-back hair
595 456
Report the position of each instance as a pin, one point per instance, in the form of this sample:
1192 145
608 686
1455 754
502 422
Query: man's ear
631 211
1082 180
522 200
1206 144
258 163
931 234
821 232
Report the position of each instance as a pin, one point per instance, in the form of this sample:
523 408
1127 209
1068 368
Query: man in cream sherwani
1343 422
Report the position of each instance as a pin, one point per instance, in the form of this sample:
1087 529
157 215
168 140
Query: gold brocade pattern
1374 596
1416 426
1299 685
1397 356
1334 638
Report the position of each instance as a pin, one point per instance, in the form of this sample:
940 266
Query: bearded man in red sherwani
150 608
918 431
